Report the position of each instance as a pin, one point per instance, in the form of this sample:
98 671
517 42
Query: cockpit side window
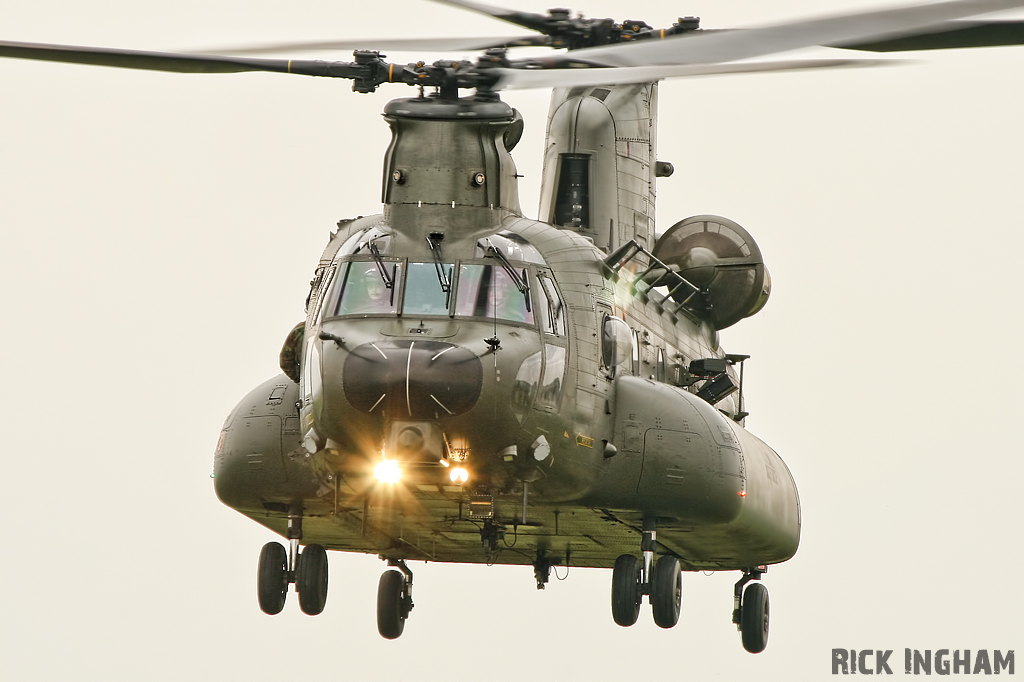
550 309
325 288
363 289
489 291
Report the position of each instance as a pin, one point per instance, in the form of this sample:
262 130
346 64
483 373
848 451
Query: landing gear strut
750 614
661 580
278 569
394 600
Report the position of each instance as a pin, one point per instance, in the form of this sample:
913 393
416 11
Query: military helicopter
619 418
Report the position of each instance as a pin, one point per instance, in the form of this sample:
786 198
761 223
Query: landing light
388 471
458 475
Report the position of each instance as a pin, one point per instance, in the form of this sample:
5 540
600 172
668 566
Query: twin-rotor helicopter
474 386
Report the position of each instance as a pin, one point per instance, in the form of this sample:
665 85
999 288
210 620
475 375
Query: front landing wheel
666 591
311 579
272 578
626 593
391 605
754 618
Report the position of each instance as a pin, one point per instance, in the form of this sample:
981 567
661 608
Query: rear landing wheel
311 579
272 578
666 591
754 618
626 590
392 607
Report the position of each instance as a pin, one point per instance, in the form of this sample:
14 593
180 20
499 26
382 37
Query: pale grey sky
159 232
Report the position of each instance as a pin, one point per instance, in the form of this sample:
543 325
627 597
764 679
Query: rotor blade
950 35
537 22
519 79
366 75
379 44
137 59
727 46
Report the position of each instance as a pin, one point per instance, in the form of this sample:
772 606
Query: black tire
754 618
272 578
666 591
626 594
391 611
311 580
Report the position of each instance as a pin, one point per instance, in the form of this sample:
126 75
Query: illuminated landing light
458 475
388 471
743 493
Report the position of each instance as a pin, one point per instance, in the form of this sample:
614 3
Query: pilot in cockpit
486 291
508 302
365 293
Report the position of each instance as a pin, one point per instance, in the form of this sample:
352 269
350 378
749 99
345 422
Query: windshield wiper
520 282
389 280
434 242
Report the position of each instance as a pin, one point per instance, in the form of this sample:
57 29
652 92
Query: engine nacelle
715 254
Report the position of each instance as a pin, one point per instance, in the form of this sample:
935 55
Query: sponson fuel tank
693 467
259 462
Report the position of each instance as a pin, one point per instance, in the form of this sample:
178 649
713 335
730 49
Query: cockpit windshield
424 294
365 289
489 291
508 281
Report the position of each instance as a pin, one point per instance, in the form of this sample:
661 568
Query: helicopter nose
416 379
